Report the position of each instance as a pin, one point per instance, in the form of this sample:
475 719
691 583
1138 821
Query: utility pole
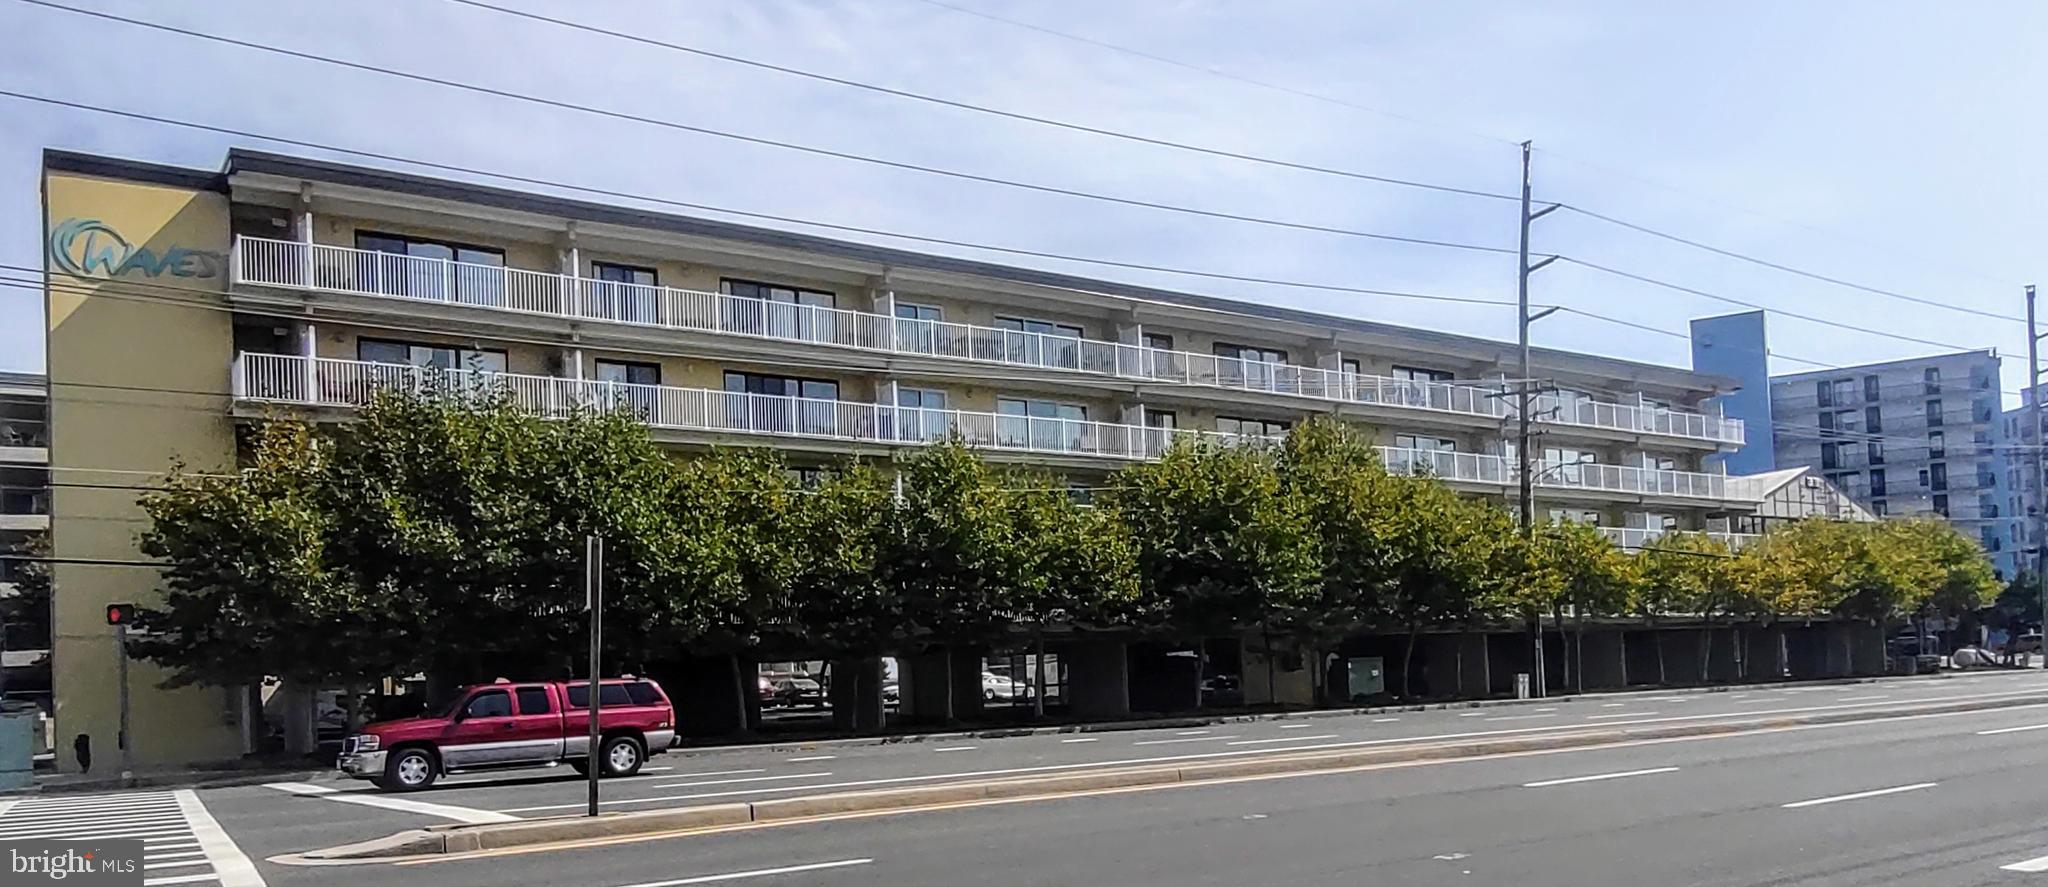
593 601
1526 386
2039 481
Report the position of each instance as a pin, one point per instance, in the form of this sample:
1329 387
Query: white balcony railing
1633 538
284 263
1487 468
273 378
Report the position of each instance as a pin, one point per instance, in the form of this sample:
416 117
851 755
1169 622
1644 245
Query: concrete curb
464 838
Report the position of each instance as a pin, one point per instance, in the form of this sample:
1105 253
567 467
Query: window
785 312
1159 341
1426 443
622 292
1931 378
1873 390
1567 464
1349 366
1923 478
1873 420
533 700
440 357
1827 423
489 704
1574 516
608 695
809 478
1161 419
1824 393
921 413
917 328
629 371
1941 504
1987 507
642 693
1835 393
1419 374
1041 424
1937 445
1877 482
1937 475
1244 365
1040 342
1849 422
1160 360
1874 452
1934 414
1830 455
757 402
1878 507
420 268
1250 427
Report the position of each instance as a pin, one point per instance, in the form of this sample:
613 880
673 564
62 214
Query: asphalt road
1699 810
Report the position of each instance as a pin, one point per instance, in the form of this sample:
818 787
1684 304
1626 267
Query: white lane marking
148 866
1597 777
1081 739
1384 720
1864 698
1664 699
777 778
1859 795
1473 714
1739 719
807 758
756 873
176 854
1295 726
6 803
179 879
1189 739
2012 729
230 867
1546 709
1612 704
1193 733
956 748
1283 739
2037 864
1520 717
707 773
445 811
1639 714
1738 695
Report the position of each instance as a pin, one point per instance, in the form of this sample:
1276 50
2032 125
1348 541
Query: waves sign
92 248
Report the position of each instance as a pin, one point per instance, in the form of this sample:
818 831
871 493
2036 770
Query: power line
1608 269
977 108
1674 238
704 207
792 146
1428 124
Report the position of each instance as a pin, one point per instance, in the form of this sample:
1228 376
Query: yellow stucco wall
136 380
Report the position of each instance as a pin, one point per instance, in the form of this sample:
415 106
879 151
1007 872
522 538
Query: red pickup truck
506 724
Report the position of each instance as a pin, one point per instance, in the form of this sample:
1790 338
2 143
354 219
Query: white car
995 687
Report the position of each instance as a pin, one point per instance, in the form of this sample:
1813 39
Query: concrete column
1866 649
1764 652
1839 652
295 715
1290 682
1098 679
309 348
1602 661
1439 670
856 695
1130 352
885 305
924 688
1475 666
967 698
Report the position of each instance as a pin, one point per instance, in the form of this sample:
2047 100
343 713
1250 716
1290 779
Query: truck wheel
621 756
408 770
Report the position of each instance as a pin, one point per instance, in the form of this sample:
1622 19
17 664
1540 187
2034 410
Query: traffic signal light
120 614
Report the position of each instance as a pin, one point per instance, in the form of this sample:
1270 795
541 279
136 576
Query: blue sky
1885 143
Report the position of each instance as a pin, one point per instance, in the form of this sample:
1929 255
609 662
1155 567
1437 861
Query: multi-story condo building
24 469
2023 487
1919 436
185 303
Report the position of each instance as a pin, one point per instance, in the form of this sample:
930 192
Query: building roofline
1989 353
59 160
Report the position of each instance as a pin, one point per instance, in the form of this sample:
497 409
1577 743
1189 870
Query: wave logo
92 248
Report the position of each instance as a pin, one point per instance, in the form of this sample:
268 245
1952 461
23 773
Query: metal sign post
121 665
593 603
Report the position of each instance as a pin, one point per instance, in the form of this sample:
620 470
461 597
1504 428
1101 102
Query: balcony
299 266
347 384
1635 538
1488 469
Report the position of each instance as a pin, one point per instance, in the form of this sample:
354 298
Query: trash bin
18 746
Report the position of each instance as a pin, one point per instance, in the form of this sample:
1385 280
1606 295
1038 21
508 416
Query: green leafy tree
1453 559
1352 508
1220 545
1078 565
25 614
1578 568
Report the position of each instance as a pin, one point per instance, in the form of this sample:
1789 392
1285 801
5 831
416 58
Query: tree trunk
1272 668
1706 648
1564 646
1408 659
1657 642
1458 660
741 723
1579 650
946 714
1038 677
1741 653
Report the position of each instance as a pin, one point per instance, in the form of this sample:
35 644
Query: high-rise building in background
2022 484
1923 436
1736 346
